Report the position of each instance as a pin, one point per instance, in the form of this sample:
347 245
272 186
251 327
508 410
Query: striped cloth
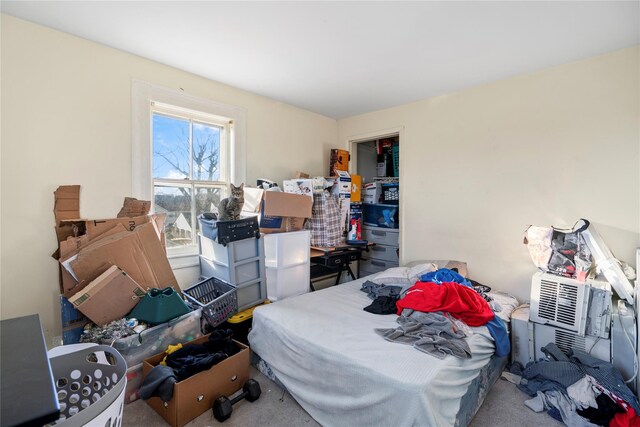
325 221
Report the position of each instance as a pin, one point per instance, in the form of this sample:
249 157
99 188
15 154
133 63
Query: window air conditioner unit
565 340
582 307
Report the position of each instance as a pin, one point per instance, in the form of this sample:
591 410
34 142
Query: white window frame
144 95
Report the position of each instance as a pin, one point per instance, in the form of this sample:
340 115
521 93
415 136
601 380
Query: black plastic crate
218 299
225 232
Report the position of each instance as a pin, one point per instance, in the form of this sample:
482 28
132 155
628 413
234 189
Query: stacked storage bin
239 263
381 227
287 264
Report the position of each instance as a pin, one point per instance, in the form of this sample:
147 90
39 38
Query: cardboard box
307 187
371 192
110 296
282 212
339 161
195 395
73 232
139 253
70 247
356 188
298 186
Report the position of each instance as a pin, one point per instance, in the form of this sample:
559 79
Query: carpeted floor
503 407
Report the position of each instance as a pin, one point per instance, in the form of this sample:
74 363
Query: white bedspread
323 348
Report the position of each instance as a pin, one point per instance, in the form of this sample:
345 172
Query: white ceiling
341 59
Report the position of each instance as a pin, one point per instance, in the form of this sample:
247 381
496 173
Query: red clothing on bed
461 301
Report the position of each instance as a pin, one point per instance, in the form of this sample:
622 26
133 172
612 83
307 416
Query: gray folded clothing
159 382
374 290
431 333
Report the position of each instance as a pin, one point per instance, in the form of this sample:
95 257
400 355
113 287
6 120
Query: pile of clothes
578 389
181 362
435 313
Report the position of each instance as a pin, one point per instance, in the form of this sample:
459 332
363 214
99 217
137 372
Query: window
190 172
186 150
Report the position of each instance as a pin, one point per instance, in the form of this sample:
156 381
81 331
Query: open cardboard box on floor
195 395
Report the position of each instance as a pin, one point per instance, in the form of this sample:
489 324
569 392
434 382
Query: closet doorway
376 158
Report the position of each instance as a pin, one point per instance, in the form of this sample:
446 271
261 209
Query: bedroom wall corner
544 148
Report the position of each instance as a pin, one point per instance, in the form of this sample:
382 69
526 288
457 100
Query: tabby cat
229 208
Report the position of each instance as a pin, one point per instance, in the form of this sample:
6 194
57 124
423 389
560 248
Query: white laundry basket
90 381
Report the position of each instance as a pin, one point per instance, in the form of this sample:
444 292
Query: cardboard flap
133 207
287 205
252 199
96 227
72 245
67 202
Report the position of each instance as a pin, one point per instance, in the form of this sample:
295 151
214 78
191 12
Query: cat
230 207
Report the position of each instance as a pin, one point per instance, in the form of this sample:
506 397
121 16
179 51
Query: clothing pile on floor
182 362
436 312
578 389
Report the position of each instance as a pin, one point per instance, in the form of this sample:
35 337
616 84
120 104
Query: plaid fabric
325 221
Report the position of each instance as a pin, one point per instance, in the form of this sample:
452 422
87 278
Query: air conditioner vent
559 301
567 340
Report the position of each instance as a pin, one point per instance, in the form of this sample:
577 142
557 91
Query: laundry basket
90 380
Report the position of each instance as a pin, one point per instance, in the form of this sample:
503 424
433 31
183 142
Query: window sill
184 260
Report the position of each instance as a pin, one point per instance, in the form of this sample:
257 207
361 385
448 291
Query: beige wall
66 119
479 165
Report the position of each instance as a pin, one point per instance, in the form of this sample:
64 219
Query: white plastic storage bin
287 249
134 381
235 274
287 282
251 294
233 252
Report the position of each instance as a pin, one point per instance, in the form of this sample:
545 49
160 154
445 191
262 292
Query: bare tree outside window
186 173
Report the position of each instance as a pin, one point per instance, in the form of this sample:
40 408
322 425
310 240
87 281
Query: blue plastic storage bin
381 215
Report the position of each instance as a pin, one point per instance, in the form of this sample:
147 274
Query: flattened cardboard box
195 395
139 253
70 247
72 231
111 296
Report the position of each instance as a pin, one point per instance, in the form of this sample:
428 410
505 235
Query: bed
322 348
